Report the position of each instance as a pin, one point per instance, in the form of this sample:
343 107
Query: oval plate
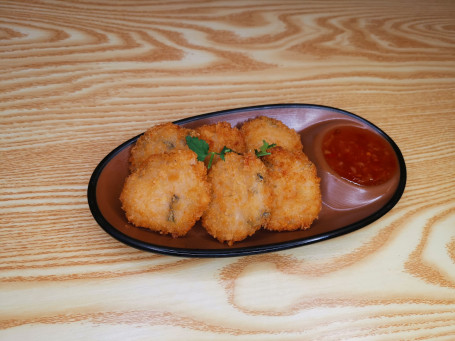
346 206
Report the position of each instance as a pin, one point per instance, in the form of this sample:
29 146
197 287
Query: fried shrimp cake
159 139
220 135
261 128
295 190
241 200
168 193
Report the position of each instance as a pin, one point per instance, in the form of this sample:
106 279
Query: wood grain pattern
77 78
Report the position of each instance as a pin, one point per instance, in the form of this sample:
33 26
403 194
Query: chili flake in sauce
358 155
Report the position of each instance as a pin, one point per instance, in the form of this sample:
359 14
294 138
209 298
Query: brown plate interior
346 206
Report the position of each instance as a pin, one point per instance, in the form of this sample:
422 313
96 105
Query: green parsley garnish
201 148
263 150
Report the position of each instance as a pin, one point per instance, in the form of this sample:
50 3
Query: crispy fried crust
241 199
159 139
295 190
221 135
272 131
168 193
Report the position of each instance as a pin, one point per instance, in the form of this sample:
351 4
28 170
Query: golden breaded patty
241 200
159 139
220 135
272 131
295 190
168 193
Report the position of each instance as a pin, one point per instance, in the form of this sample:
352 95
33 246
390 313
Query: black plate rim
251 250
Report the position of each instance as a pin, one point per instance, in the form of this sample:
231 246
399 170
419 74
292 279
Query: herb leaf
200 147
263 149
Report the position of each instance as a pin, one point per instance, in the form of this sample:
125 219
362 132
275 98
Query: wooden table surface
78 78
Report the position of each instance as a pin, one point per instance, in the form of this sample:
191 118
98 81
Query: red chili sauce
358 155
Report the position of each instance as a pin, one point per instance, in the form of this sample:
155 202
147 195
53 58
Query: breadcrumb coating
261 128
241 201
168 193
295 190
158 139
220 135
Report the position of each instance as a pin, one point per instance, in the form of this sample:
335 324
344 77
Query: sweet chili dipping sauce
358 155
